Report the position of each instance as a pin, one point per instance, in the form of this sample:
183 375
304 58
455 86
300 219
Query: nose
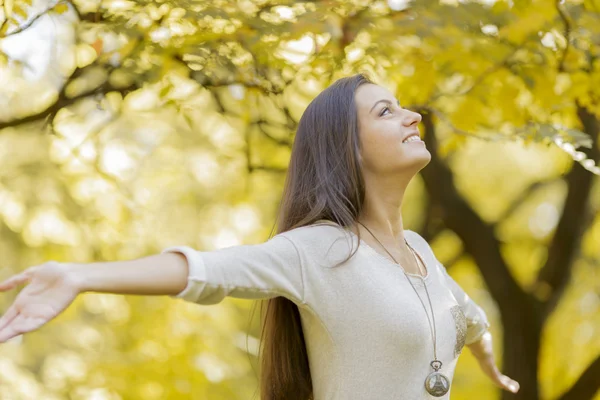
411 118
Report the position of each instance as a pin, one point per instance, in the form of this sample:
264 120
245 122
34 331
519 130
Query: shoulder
318 232
417 241
321 240
415 236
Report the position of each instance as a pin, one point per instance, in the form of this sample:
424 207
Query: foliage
134 125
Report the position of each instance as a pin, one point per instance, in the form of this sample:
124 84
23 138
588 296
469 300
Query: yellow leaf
114 100
5 28
580 84
529 22
85 55
20 11
593 5
8 8
61 8
127 48
453 143
562 83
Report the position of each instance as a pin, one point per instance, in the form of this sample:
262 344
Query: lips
410 135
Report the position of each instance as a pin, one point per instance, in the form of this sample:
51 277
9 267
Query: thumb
17 279
489 367
509 384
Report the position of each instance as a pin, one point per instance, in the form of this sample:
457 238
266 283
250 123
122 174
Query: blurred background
130 126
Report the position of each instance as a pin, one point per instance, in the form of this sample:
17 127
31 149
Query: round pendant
437 384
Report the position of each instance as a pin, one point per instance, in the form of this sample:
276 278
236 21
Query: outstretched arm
53 286
258 271
161 274
477 321
482 350
479 338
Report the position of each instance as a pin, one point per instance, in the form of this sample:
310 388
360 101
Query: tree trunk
523 315
521 348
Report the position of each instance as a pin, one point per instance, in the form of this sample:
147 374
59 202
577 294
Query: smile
412 139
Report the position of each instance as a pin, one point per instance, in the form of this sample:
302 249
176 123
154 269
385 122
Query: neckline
382 257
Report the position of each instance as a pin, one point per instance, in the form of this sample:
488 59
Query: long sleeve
477 322
258 271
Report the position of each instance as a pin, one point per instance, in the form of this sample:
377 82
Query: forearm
161 274
482 348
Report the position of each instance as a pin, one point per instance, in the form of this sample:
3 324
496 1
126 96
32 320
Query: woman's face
383 125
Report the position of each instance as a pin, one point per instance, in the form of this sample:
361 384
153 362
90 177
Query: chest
376 304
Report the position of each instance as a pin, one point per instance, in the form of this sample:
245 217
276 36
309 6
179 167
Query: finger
8 316
19 326
503 381
8 331
509 384
14 281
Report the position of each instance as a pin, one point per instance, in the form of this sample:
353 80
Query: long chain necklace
436 383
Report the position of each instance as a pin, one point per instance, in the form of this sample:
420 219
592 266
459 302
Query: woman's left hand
482 350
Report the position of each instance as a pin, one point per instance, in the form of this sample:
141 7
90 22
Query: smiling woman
347 317
383 128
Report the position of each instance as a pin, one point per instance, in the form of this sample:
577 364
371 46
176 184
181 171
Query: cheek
383 150
379 147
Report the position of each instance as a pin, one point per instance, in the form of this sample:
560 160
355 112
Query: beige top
366 332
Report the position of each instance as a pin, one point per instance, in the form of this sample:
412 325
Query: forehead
367 94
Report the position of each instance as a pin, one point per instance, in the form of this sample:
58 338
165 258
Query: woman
358 307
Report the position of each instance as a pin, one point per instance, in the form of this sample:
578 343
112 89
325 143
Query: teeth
412 139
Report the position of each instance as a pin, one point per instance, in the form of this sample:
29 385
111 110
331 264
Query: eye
383 111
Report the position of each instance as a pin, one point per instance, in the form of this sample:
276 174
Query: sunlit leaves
578 156
86 55
188 97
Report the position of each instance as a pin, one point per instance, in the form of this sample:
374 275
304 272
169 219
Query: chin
420 161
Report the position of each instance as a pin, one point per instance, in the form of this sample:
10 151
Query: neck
381 211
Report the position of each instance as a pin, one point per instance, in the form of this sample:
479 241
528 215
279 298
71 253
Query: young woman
358 307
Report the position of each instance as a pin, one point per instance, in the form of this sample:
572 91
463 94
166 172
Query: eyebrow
382 101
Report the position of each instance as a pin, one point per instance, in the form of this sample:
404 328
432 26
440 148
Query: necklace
436 383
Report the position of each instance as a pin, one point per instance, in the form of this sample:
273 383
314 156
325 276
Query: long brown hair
324 181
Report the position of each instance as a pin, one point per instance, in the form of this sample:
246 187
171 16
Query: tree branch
567 24
477 236
576 211
587 385
564 248
279 170
478 80
523 197
30 22
441 116
64 101
280 142
94 17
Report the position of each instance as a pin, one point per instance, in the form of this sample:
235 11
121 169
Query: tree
493 74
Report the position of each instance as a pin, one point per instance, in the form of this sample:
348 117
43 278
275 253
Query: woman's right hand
50 290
